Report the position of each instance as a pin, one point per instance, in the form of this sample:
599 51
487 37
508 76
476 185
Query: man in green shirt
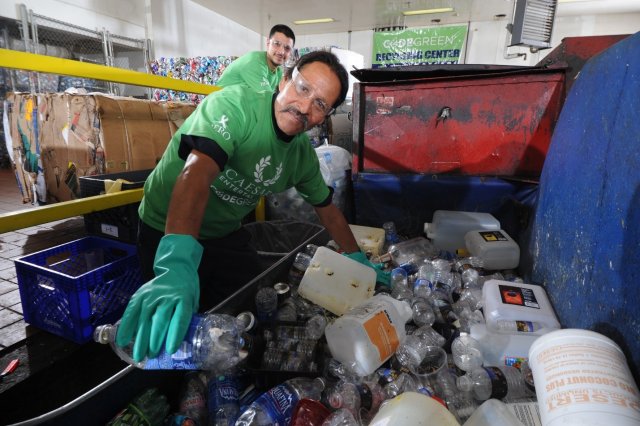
262 70
238 145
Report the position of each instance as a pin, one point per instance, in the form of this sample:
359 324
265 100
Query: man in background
262 70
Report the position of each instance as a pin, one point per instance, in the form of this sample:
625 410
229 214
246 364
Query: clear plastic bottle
441 284
223 399
422 285
399 280
213 342
275 407
148 408
314 327
466 352
287 311
409 252
341 417
266 300
412 351
298 268
361 399
422 312
470 269
390 235
493 382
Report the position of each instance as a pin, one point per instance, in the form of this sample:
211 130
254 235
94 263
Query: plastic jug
493 412
369 239
369 334
413 409
496 249
502 349
516 308
448 228
336 282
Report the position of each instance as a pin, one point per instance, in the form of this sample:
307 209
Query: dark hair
280 28
333 62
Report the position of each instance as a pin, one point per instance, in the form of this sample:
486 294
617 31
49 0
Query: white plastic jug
516 308
496 249
413 409
369 239
336 282
502 349
369 334
448 228
493 412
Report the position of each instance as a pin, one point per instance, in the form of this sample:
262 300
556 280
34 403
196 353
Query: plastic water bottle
466 352
223 399
412 351
213 342
493 382
422 285
275 407
266 300
408 254
314 327
390 235
362 399
422 312
300 264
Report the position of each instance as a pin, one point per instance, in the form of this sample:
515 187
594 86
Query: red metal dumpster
497 123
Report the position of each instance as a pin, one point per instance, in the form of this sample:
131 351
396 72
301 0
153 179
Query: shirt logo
220 126
258 174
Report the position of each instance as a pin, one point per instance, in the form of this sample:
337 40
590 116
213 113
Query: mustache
302 117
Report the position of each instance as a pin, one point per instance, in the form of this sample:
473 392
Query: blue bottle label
182 359
279 403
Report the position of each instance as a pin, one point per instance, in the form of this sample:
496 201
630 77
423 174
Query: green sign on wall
418 46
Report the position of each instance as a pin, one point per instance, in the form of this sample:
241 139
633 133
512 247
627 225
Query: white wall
185 28
121 17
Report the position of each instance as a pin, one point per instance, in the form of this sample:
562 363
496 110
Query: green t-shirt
251 69
239 121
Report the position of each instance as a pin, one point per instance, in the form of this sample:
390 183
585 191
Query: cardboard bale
21 126
84 135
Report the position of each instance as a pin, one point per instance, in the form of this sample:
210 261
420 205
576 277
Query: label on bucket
582 378
382 334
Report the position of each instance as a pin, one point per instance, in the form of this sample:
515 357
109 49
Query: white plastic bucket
582 379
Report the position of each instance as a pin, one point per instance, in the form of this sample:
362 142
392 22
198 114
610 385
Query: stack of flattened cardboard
58 137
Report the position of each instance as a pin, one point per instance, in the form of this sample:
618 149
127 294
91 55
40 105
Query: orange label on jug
382 334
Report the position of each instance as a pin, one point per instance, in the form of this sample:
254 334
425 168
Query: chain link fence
47 36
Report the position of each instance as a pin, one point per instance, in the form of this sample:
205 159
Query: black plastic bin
120 223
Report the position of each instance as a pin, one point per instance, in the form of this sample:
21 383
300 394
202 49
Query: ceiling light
313 21
427 11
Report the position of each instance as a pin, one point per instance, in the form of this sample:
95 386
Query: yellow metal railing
48 64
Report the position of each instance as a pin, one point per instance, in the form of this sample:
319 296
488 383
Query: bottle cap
246 320
283 290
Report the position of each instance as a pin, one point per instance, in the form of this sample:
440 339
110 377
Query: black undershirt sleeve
327 200
204 145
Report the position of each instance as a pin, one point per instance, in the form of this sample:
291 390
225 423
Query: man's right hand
162 308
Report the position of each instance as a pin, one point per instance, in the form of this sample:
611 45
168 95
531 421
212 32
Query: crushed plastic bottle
213 342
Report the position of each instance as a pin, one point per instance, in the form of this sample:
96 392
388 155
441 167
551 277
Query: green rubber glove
163 307
382 276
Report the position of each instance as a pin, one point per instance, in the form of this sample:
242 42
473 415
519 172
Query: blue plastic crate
70 289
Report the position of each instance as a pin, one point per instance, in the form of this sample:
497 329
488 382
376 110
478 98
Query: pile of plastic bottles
409 347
